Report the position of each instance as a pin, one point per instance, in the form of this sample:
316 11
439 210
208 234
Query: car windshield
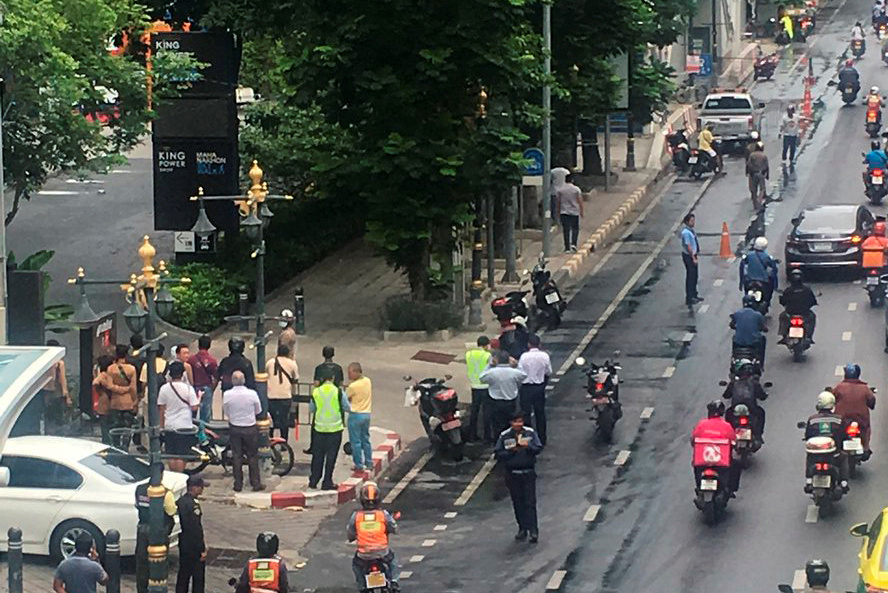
117 466
828 220
728 102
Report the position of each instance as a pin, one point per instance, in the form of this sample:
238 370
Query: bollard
299 310
112 560
243 300
14 559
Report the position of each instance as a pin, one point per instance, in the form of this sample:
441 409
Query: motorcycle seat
217 425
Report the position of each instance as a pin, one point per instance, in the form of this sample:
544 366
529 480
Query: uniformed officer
192 548
143 502
266 573
517 448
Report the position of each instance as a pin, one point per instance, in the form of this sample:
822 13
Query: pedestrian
559 178
503 382
537 365
160 370
287 337
103 386
570 210
192 548
328 367
236 361
789 131
57 387
690 253
123 405
176 404
758 173
136 343
360 395
517 448
283 374
328 403
81 572
241 405
143 510
182 353
477 361
206 376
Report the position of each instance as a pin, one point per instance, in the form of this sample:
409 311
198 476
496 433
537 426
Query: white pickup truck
733 115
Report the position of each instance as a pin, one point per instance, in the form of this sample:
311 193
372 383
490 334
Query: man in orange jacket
874 247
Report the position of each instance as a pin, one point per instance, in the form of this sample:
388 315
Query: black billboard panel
216 49
180 167
196 118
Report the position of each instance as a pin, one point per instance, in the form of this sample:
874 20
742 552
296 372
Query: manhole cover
436 357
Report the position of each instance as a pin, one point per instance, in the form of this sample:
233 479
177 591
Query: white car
59 487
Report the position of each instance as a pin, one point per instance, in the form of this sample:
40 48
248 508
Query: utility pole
547 126
715 60
511 275
3 326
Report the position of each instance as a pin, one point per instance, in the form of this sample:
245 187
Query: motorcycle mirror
525 272
448 377
761 105
580 361
858 530
800 424
768 385
875 390
863 154
784 588
232 582
397 515
723 383
407 378
832 83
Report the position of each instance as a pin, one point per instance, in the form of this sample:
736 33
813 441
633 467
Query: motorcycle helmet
825 401
369 496
852 371
875 145
760 243
715 409
817 573
236 345
267 544
760 146
519 320
754 135
879 228
795 276
874 90
289 318
741 410
749 300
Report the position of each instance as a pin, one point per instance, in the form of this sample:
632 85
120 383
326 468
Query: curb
383 455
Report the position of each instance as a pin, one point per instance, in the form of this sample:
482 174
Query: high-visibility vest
264 575
477 361
873 249
371 532
328 414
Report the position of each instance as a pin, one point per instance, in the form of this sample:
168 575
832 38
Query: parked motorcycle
797 338
215 449
711 495
822 460
680 149
873 122
506 308
548 302
764 66
875 286
438 414
857 48
702 163
603 391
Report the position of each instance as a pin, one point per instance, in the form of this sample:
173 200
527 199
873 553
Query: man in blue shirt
758 266
749 327
874 159
690 250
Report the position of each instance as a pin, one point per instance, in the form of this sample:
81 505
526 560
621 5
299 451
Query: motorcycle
853 448
796 338
882 31
849 94
876 189
376 578
747 356
873 122
875 286
438 414
885 55
744 386
857 48
821 459
603 391
701 162
548 303
680 149
215 449
757 290
765 66
746 442
711 495
506 308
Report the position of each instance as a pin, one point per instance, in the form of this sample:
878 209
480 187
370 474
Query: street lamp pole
547 126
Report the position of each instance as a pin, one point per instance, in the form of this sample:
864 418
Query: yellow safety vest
477 361
328 413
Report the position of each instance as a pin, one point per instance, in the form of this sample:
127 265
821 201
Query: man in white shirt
537 366
176 404
503 382
241 405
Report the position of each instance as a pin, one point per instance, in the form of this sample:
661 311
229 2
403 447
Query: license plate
709 485
600 401
451 425
375 580
822 246
870 118
877 180
552 297
744 433
756 294
692 160
853 445
822 481
872 280
797 332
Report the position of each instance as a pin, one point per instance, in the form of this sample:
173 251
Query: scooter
376 578
438 414
701 162
680 149
548 302
603 391
711 495
215 449
746 442
825 487
797 338
875 286
857 48
876 189
849 93
873 122
765 66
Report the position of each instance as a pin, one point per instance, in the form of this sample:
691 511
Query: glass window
728 103
29 472
874 535
844 219
117 466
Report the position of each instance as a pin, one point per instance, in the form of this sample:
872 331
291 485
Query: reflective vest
372 537
786 21
874 252
477 361
328 414
264 575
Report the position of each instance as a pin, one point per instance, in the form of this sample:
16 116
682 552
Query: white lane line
555 580
799 580
852 306
440 527
84 181
417 558
630 284
406 574
718 282
428 543
119 171
688 337
476 482
591 513
450 515
812 514
646 413
846 336
703 308
622 457
550 387
554 379
840 370
57 192
668 372
732 259
408 477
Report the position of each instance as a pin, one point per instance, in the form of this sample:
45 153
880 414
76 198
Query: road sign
705 64
537 158
183 242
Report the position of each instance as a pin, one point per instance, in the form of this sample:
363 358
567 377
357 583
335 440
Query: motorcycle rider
797 299
858 35
758 173
854 400
817 575
827 423
744 370
515 337
266 572
757 265
874 159
749 327
848 76
754 139
705 141
874 248
370 528
874 101
713 439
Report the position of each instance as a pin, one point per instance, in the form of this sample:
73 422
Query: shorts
177 443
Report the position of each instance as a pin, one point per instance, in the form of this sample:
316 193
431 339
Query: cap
195 481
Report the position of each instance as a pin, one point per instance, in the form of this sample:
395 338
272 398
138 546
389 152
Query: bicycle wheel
282 458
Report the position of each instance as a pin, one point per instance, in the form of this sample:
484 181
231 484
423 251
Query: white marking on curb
428 543
799 580
408 477
440 527
57 192
689 336
646 413
852 306
450 515
718 282
476 482
840 370
555 580
417 558
703 308
591 513
406 574
622 457
119 171
846 336
812 514
668 372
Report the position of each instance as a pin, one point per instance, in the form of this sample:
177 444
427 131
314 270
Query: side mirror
768 385
801 424
863 154
784 588
232 582
580 361
874 390
4 477
723 383
798 219
832 83
448 377
858 530
407 378
761 105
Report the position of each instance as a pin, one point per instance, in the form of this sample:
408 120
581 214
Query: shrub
202 305
402 313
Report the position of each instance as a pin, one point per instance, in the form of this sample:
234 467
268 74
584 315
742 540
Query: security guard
267 572
477 361
370 529
328 402
143 503
517 448
192 547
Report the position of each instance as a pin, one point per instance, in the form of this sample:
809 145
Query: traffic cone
724 251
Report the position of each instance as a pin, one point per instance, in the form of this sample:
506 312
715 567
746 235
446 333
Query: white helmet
874 90
519 320
760 244
289 315
826 401
754 135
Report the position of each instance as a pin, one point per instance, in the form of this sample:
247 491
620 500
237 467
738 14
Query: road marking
119 171
799 580
732 259
622 457
555 580
476 482
450 515
440 527
812 514
718 282
688 337
84 181
417 558
408 477
406 574
703 308
550 387
668 372
852 306
670 234
591 513
554 379
840 370
428 543
846 336
646 413
57 192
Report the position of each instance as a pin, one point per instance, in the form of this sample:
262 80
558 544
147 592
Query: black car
828 236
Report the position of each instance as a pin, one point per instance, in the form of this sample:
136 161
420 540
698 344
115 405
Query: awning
24 370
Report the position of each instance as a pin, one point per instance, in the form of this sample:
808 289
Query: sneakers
521 535
329 487
534 537
258 488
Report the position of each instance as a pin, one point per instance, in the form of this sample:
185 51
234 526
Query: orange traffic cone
724 251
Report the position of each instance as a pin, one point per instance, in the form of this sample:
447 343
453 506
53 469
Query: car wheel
61 544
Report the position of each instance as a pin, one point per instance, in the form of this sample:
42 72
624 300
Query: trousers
691 270
789 146
206 403
245 441
501 411
522 489
533 404
359 435
191 570
570 225
324 451
279 410
479 397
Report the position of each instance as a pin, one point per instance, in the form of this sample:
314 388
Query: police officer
370 530
477 361
517 447
192 548
328 402
266 572
143 503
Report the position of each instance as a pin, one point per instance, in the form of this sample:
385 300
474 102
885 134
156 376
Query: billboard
217 50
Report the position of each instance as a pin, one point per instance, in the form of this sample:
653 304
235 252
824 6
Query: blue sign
538 161
705 65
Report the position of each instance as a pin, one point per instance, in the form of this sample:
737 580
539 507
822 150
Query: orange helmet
879 228
369 495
